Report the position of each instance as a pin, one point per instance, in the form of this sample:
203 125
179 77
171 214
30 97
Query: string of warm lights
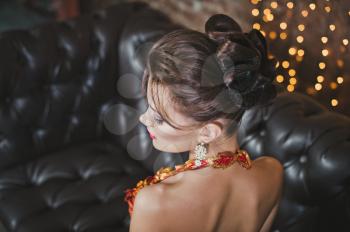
292 25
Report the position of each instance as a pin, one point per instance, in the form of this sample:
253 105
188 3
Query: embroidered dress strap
221 160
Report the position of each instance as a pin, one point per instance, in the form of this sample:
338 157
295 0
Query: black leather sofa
70 140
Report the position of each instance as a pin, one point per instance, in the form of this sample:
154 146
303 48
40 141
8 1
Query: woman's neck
230 144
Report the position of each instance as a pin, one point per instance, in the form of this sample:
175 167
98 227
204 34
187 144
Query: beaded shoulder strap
221 160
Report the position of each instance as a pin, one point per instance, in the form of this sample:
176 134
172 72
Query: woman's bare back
231 199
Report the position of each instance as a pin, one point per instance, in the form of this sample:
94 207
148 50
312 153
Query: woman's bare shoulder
261 183
260 187
268 160
271 187
267 170
263 167
270 170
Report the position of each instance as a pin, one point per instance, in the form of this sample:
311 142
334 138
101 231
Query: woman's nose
143 119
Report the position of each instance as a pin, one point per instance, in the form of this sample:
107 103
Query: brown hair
211 75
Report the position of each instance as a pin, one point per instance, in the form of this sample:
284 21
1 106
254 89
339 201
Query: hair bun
242 58
219 26
258 40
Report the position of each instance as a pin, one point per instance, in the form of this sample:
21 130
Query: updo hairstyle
217 74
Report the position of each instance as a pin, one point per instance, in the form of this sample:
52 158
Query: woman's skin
234 199
169 139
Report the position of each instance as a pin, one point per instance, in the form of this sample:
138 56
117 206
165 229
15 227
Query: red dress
221 160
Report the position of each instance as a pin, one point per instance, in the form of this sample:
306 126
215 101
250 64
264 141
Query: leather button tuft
303 159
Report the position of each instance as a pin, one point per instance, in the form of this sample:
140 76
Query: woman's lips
151 135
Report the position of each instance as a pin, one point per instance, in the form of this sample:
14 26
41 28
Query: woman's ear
210 132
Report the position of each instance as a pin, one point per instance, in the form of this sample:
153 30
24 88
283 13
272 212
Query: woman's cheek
165 133
173 141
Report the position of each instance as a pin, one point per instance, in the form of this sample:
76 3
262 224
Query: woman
198 87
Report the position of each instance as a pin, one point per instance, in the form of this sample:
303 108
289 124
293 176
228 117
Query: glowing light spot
290 88
257 26
293 81
265 19
283 35
279 78
292 51
304 13
318 86
340 63
300 39
325 52
320 78
301 27
285 64
333 85
291 72
312 6
270 17
267 11
274 5
255 12
322 65
272 35
334 102
283 25
301 52
340 80
277 64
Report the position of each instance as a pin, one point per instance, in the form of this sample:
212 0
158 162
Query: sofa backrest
56 83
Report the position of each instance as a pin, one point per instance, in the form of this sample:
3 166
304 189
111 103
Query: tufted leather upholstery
70 141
